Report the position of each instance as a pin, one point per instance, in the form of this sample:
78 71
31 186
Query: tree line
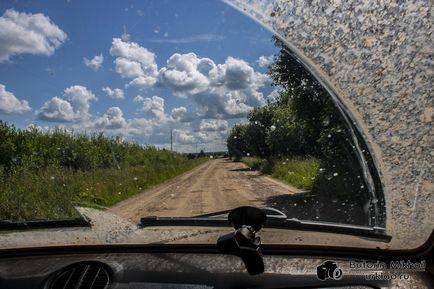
302 122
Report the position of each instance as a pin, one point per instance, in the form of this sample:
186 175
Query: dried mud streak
216 185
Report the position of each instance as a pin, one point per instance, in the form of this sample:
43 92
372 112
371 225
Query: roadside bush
300 173
44 174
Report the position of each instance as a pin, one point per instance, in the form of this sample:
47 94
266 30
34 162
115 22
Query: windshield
170 109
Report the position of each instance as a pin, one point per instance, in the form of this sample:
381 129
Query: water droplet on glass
248 154
335 174
325 121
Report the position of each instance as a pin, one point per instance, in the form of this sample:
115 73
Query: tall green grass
44 174
301 173
52 192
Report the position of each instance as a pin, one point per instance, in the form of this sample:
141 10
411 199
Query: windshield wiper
275 220
44 224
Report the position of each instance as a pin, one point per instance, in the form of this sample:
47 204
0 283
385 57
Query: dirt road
216 185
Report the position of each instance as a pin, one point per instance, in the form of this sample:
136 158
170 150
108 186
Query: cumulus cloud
184 137
9 104
183 74
213 125
153 107
115 93
28 33
225 90
181 114
140 127
94 63
134 62
72 106
264 61
112 119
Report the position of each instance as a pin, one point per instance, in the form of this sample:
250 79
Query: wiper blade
269 211
276 220
43 224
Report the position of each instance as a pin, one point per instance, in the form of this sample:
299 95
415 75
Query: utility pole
171 139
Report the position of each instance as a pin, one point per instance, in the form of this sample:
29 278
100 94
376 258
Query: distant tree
237 141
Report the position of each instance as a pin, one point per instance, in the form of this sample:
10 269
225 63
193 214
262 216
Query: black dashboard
139 269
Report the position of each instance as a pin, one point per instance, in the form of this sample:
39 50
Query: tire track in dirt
216 185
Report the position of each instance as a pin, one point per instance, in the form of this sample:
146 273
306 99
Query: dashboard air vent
82 276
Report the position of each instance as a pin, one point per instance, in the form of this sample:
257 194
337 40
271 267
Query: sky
139 69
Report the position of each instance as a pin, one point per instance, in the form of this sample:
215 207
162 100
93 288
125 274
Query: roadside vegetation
301 173
300 137
44 174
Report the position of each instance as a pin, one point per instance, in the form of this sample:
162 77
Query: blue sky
196 67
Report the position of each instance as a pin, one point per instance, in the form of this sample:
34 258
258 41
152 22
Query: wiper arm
275 220
44 224
269 211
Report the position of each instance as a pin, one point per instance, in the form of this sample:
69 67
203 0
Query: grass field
52 192
300 173
43 175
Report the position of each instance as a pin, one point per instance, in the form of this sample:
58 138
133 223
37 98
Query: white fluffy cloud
9 104
112 119
153 107
213 125
94 63
28 33
115 93
225 90
134 62
184 74
72 106
265 60
184 137
181 114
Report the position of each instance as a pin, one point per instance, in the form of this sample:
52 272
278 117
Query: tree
237 141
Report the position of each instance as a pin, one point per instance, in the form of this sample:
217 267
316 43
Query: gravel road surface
216 185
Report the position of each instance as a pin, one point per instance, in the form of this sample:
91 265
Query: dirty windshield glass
170 109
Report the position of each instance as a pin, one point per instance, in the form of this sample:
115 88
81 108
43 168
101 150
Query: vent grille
82 276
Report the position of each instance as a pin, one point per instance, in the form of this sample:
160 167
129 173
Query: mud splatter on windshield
157 109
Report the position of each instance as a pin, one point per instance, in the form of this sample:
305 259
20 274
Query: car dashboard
96 269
